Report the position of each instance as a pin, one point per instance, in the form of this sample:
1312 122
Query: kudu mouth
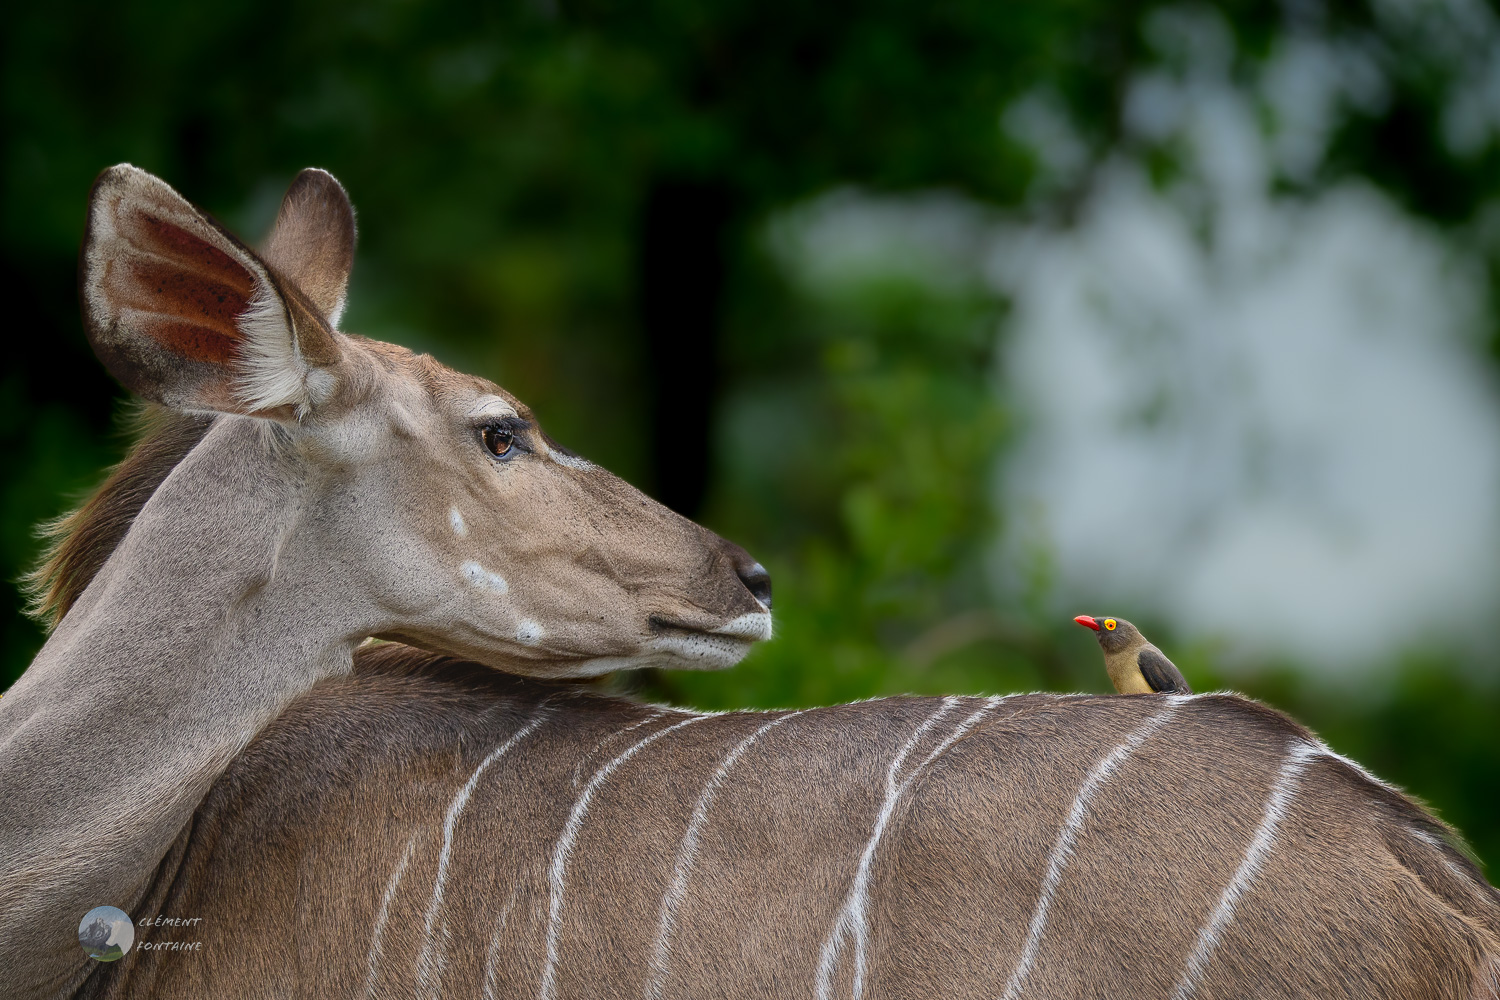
704 646
683 646
752 627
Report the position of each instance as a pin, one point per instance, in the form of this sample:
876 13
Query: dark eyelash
516 425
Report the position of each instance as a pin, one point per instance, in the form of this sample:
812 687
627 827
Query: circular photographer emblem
106 933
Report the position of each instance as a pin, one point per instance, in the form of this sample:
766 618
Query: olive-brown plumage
1135 666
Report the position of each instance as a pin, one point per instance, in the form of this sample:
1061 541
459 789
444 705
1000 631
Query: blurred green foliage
501 158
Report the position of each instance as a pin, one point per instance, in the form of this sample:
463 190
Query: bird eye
1110 623
498 441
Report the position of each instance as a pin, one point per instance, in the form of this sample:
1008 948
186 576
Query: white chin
754 627
717 650
686 651
699 651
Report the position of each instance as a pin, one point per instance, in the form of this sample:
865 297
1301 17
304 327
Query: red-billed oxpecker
1135 666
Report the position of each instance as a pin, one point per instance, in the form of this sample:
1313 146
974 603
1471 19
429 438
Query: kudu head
436 492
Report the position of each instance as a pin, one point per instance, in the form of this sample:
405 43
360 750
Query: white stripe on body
430 962
1255 856
1062 851
489 958
863 876
850 917
1442 853
657 712
563 852
1431 841
385 911
1323 750
687 855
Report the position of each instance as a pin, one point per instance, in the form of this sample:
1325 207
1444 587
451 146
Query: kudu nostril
757 581
751 573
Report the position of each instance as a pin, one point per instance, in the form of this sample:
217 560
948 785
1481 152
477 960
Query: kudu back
422 828
298 490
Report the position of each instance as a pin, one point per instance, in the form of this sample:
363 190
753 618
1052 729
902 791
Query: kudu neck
217 575
211 615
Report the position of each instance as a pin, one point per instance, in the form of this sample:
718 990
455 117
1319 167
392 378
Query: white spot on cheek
482 578
528 632
457 521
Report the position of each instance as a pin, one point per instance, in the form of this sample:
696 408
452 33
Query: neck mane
80 541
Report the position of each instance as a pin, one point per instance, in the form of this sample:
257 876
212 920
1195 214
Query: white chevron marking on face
1063 849
528 632
481 578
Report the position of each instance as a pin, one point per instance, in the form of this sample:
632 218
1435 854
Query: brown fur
289 857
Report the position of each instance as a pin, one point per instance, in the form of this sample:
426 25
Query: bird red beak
1087 622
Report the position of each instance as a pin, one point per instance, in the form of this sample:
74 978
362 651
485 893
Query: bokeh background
965 317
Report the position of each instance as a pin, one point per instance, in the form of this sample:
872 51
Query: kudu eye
498 441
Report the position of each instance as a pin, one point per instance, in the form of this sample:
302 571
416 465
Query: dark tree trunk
680 288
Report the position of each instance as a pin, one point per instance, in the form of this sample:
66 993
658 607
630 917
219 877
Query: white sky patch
1260 419
1271 441
1282 434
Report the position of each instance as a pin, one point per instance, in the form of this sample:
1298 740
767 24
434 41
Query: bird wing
1160 673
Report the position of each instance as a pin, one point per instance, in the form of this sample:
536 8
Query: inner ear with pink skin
185 315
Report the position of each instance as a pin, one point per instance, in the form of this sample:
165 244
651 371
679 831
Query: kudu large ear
312 242
184 314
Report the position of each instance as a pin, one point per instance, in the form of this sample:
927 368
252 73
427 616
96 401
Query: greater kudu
302 491
416 827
